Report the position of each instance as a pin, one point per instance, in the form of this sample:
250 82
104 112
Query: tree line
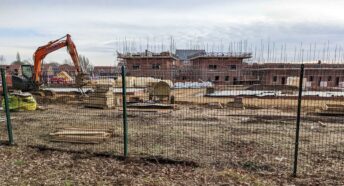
84 62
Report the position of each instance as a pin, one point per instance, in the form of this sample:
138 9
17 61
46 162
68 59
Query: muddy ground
215 146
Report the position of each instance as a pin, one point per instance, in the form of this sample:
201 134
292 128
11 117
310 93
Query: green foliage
19 162
68 183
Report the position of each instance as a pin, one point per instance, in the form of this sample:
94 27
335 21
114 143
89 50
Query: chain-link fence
244 118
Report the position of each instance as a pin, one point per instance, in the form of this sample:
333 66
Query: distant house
161 65
49 71
12 69
70 69
104 71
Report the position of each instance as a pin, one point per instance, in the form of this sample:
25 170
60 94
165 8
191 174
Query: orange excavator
31 78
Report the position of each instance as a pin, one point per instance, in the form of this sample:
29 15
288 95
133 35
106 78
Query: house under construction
228 68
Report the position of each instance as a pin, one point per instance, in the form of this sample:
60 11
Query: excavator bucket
82 79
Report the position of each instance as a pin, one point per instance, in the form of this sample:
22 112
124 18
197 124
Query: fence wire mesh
72 119
222 118
3 128
215 126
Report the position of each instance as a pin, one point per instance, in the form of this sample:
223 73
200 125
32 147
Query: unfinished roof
145 55
240 55
308 66
183 54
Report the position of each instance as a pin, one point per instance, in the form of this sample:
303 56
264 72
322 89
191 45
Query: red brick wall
200 69
165 71
203 68
273 74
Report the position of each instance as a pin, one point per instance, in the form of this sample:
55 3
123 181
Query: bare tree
67 61
85 64
2 59
53 63
18 59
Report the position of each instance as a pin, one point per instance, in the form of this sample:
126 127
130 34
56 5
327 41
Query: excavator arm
31 78
52 46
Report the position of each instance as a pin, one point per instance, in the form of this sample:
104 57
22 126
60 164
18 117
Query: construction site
186 107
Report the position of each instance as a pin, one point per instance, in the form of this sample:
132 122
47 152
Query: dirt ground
194 144
30 166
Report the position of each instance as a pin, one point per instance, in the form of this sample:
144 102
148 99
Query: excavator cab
24 82
27 71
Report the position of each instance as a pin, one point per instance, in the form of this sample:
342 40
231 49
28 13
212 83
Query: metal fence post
125 121
298 119
7 109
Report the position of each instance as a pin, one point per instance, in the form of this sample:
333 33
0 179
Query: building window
212 66
319 81
329 78
156 66
337 81
226 78
235 80
136 67
274 79
311 78
232 67
217 78
283 81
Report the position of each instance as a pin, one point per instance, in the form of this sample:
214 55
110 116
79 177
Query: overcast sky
98 26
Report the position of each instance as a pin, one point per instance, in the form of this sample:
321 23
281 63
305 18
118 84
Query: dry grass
256 141
27 166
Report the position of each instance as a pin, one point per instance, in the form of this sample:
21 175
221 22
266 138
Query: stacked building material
332 110
102 97
80 135
159 92
65 76
237 103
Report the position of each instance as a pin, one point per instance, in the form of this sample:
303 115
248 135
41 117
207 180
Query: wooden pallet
102 98
80 135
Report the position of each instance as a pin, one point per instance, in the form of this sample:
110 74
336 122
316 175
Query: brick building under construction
229 68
